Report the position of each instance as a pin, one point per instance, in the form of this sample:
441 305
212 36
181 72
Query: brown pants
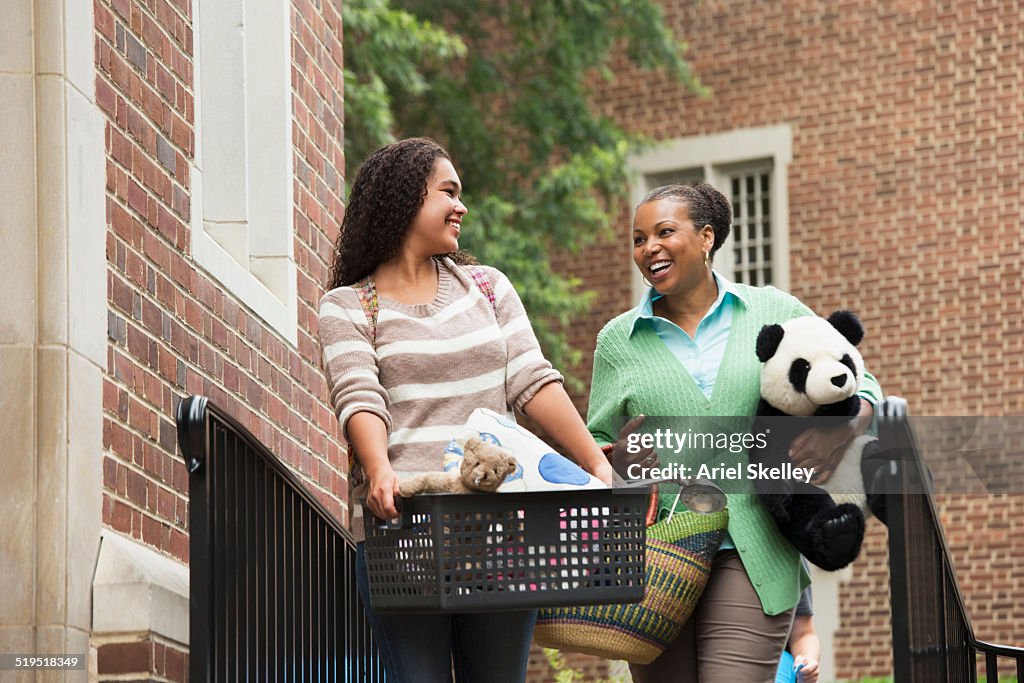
728 639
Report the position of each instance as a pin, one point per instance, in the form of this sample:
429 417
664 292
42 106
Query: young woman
404 385
688 349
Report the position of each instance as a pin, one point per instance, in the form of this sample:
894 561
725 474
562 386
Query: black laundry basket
508 551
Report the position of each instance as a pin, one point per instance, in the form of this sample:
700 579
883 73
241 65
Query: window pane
752 209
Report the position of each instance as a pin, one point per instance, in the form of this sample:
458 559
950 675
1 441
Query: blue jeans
490 647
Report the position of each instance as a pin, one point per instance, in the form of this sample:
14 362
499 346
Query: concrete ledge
138 590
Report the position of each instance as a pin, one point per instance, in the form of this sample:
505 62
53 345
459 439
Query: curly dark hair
705 204
388 192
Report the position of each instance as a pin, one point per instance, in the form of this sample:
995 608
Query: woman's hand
823 448
369 437
621 458
809 672
383 490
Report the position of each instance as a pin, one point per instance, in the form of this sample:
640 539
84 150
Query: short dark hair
705 204
388 192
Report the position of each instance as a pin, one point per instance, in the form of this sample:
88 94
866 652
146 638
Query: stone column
52 327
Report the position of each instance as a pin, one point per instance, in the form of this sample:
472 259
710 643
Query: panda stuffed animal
811 371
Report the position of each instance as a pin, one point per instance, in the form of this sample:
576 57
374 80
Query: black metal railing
932 637
273 589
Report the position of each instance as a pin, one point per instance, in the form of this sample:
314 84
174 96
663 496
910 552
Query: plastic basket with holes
508 551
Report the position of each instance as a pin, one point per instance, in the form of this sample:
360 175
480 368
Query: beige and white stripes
433 364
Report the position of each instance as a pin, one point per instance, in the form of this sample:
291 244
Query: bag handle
483 283
366 289
652 503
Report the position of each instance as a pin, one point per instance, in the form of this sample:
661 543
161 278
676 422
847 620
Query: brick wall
904 205
162 661
174 331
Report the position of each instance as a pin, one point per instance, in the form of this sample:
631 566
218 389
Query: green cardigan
636 373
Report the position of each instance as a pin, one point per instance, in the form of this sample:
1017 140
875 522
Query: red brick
125 658
176 665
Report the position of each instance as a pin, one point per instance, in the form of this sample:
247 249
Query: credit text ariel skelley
753 471
667 440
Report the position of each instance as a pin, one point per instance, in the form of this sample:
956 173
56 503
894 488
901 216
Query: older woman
688 350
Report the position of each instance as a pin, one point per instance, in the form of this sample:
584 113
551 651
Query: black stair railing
273 589
932 637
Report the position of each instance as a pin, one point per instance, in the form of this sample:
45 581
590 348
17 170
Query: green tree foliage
566 674
503 85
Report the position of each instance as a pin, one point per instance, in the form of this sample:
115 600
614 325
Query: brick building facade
140 265
902 181
149 140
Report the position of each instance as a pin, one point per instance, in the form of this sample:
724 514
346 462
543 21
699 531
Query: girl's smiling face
437 225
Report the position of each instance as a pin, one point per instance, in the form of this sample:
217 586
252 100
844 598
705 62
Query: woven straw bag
678 561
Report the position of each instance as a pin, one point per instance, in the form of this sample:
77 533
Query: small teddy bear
484 467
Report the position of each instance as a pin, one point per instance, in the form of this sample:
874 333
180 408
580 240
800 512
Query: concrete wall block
16 37
52 485
19 640
79 41
52 209
17 486
139 590
18 210
87 275
85 491
51 640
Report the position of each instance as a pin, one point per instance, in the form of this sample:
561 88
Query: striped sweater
430 366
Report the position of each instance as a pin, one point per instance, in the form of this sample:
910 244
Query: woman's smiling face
667 247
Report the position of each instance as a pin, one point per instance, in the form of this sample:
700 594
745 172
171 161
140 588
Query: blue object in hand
786 672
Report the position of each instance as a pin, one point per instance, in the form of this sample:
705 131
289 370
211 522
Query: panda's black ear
848 325
768 340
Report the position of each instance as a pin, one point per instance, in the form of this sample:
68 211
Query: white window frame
715 155
243 231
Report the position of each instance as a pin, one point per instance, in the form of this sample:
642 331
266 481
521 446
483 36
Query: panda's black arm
847 408
766 409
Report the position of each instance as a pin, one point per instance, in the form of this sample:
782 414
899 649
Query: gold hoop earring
646 282
707 259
